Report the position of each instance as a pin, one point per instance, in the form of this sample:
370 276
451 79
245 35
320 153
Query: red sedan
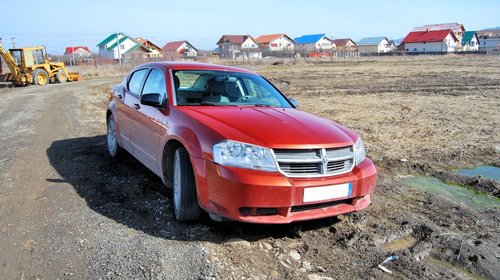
230 143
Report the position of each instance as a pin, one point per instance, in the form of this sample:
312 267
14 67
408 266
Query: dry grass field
431 112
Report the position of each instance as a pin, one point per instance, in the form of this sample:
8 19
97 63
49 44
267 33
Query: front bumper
271 198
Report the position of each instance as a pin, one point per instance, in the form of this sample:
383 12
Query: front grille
315 162
300 208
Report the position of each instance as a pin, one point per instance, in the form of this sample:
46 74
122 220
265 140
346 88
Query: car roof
176 65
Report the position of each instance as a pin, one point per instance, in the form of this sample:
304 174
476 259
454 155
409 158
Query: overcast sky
57 24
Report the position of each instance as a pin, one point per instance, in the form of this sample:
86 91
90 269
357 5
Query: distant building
236 46
122 46
345 45
489 39
155 51
374 45
78 52
470 41
430 41
457 29
179 49
276 42
313 43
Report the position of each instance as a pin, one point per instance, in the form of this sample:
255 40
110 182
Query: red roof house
276 42
178 49
233 46
430 41
78 51
345 45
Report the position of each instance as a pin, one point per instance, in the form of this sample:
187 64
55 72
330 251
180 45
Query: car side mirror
152 99
295 103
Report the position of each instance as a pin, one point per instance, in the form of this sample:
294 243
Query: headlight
359 151
231 153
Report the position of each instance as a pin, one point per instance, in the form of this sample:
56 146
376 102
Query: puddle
454 268
473 199
487 172
402 243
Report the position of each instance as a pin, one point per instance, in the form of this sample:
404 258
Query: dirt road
70 212
64 212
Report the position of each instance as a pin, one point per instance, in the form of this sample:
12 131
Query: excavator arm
16 74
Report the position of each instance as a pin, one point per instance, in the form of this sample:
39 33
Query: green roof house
121 46
470 42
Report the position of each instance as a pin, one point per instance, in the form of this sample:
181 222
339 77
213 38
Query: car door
147 124
127 98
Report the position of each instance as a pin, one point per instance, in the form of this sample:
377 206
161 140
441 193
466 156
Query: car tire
114 149
186 207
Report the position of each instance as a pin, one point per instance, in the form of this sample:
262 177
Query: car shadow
127 192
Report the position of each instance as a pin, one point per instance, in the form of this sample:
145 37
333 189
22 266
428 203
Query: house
470 41
276 42
313 43
489 39
374 45
78 52
121 46
179 49
155 51
234 46
430 41
457 28
345 45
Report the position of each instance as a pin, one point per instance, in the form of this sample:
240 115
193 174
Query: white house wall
324 44
384 46
489 44
471 46
282 44
249 44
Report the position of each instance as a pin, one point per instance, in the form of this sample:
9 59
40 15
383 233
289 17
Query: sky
59 24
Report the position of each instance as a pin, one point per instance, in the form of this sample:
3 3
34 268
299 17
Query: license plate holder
327 192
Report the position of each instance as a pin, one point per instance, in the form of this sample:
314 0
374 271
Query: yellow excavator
31 66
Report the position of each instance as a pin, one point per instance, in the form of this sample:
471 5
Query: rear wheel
186 207
114 148
61 77
40 77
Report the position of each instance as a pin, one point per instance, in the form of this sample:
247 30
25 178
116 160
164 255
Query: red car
230 143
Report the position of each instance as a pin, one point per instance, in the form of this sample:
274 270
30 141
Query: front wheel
61 77
186 207
114 149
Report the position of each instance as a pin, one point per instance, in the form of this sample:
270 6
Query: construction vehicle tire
40 77
61 76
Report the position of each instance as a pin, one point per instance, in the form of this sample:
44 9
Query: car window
135 81
155 83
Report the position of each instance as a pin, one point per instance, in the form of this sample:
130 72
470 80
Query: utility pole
13 41
118 48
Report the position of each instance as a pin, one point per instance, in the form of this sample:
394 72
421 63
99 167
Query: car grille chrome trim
314 162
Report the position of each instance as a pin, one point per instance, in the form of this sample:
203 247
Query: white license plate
327 192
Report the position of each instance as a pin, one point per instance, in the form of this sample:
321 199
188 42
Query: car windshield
222 88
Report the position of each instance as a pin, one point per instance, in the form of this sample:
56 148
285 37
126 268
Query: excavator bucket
73 76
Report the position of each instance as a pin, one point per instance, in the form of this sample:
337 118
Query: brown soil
68 211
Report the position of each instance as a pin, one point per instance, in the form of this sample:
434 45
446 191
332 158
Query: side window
155 83
135 82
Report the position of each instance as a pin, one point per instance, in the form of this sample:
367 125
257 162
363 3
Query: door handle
136 106
120 96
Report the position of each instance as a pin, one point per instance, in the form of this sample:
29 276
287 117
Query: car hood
272 127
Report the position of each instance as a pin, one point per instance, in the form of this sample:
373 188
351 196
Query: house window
122 47
415 49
